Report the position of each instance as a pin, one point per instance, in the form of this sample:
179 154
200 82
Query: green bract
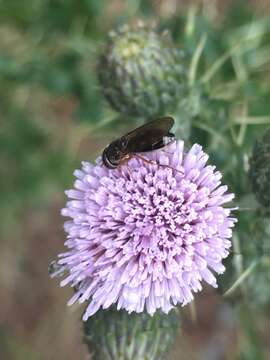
117 335
141 73
260 170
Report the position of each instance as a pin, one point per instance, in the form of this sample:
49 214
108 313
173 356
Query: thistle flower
144 236
260 170
141 72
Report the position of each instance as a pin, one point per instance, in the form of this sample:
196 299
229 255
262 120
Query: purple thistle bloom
144 236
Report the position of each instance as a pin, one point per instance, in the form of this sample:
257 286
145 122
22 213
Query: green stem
250 346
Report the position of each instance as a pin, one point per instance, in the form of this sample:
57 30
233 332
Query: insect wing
149 136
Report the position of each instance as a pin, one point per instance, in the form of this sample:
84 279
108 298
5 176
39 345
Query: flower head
144 236
260 170
141 72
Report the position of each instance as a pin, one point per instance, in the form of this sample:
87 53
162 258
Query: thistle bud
260 170
115 334
258 282
141 73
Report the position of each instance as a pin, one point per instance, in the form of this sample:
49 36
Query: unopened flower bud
141 72
260 170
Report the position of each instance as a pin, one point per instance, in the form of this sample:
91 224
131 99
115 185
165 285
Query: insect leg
125 162
154 163
166 152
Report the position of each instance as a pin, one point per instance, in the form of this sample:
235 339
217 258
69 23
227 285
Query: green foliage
30 166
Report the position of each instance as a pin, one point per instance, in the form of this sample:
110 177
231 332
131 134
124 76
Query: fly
151 136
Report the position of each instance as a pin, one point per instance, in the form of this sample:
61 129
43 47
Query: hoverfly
151 136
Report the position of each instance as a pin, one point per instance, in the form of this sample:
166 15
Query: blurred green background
53 115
